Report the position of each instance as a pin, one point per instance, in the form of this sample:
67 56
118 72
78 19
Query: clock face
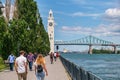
50 24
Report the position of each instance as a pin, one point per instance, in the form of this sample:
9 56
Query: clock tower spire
51 30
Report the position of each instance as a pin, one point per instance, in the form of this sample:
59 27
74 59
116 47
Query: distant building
65 50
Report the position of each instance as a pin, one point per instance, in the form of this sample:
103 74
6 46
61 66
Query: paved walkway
56 71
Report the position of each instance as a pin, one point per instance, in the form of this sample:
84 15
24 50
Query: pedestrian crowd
54 56
24 60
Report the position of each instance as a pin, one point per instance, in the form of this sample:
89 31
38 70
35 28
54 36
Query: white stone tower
51 30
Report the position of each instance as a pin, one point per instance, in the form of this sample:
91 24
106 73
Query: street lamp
28 28
37 35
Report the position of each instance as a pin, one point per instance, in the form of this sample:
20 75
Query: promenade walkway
56 71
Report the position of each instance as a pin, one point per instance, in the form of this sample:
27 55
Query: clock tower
51 30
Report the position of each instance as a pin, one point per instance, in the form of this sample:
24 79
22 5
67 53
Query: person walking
21 66
51 57
30 59
40 67
55 56
35 56
11 59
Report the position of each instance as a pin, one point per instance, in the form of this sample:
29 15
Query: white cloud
113 12
113 15
85 14
108 30
66 28
101 30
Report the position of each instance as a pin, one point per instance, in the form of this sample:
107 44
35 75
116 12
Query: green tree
5 39
101 51
36 38
18 30
14 35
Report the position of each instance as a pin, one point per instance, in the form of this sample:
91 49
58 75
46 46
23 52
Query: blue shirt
11 58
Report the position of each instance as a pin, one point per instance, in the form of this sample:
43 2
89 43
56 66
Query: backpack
39 68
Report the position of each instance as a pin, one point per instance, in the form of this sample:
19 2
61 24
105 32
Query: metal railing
76 72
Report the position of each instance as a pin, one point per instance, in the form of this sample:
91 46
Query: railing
78 73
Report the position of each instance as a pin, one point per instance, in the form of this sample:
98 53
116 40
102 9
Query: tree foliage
5 39
96 51
15 35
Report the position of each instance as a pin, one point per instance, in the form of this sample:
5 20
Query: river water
106 66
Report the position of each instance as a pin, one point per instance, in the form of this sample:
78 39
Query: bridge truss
85 41
90 41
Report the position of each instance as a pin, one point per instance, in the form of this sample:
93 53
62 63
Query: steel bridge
90 41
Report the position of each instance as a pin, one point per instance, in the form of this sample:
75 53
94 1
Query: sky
75 19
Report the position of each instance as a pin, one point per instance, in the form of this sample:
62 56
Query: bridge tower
90 49
51 30
115 50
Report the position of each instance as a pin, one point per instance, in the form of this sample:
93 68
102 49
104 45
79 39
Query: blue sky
79 18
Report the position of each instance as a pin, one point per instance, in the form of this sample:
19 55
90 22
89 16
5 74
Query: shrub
2 66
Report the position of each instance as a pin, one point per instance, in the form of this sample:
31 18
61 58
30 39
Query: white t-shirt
21 60
55 54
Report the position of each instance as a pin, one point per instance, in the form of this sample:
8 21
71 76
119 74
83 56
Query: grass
2 65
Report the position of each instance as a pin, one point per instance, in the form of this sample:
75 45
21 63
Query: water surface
106 66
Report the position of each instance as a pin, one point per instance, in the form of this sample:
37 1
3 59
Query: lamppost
57 47
28 28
